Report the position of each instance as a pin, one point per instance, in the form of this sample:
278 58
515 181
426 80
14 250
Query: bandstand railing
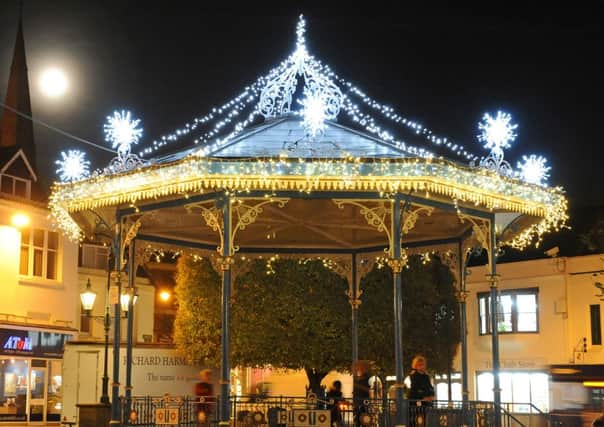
295 411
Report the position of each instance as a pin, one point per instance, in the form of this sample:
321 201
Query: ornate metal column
396 263
224 204
130 324
493 279
114 296
354 295
462 295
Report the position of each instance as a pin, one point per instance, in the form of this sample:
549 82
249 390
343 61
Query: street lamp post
88 298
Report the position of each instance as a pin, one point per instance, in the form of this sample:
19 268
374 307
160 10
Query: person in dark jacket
334 397
360 391
421 391
204 391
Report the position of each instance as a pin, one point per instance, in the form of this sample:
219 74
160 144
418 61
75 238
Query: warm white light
497 132
73 166
125 300
533 169
88 297
53 82
20 220
165 296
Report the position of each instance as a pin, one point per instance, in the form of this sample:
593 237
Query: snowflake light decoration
497 133
122 131
313 113
533 169
73 166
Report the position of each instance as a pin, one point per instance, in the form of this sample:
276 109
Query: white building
550 333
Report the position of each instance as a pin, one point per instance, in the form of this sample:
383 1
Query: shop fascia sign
18 343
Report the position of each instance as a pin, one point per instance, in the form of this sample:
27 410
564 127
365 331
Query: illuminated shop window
519 390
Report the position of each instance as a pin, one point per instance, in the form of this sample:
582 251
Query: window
441 383
596 324
520 389
39 253
15 186
85 321
516 311
94 256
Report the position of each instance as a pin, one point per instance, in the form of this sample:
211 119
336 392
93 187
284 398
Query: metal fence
289 411
149 411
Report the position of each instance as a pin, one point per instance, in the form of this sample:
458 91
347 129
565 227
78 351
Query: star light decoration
73 166
122 131
497 133
533 169
270 95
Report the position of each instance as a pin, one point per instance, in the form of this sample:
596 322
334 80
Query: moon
53 82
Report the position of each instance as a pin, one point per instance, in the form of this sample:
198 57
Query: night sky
442 67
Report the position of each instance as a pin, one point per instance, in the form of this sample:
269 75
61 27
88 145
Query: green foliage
197 324
430 316
297 317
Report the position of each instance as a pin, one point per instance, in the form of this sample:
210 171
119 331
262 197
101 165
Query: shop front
30 375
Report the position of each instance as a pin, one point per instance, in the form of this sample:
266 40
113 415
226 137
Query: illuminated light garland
195 175
73 166
220 117
533 169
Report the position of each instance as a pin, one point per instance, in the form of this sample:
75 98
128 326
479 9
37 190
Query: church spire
15 130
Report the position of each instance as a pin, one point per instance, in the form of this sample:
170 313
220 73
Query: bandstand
304 183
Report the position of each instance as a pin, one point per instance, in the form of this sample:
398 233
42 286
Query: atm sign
18 343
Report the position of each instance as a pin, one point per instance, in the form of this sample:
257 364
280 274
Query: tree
197 322
430 316
295 316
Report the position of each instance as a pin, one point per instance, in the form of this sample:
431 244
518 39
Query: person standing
204 391
334 397
360 391
421 391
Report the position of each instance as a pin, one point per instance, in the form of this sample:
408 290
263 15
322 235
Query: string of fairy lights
130 178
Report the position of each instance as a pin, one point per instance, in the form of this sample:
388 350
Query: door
37 391
88 363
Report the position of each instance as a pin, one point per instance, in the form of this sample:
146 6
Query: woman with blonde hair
421 391
421 385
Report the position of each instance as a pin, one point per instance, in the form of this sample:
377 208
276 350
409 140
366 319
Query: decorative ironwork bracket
375 217
127 239
411 216
247 214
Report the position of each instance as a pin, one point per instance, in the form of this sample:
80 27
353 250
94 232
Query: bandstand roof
294 187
